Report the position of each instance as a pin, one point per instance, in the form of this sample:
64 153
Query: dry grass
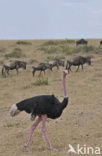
81 121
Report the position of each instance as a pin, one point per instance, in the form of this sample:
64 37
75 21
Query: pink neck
64 85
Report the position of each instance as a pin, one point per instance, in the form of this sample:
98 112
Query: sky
50 19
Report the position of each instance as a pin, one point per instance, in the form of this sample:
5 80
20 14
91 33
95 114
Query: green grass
1 62
16 53
20 42
41 81
68 47
12 125
2 50
58 42
50 58
33 61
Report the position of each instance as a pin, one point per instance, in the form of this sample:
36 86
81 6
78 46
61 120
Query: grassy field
81 121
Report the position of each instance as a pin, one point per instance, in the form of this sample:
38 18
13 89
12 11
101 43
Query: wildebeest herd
42 67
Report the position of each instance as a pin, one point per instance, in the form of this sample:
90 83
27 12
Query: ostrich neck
64 86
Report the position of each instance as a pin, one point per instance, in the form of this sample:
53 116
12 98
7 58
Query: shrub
1 62
68 50
58 42
33 61
49 58
41 81
70 41
17 53
23 43
52 50
2 50
50 42
89 48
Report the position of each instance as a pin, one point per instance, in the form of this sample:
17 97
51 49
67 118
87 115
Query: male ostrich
43 106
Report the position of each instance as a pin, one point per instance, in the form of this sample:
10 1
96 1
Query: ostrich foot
26 147
53 149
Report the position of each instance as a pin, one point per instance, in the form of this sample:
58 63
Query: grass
83 49
2 50
33 61
1 62
77 124
41 81
20 42
16 53
56 46
68 47
60 46
58 42
50 58
12 125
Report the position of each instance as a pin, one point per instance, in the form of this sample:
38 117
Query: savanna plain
81 121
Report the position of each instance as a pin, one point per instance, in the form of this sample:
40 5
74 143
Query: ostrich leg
44 117
32 130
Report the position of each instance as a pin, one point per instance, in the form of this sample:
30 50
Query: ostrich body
43 106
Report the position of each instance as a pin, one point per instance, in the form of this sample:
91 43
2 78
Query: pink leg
32 130
44 117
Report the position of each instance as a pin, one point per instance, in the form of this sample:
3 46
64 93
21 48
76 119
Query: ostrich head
14 110
65 72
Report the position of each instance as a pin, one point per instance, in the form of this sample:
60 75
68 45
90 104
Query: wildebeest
77 61
101 42
56 63
41 67
13 64
81 41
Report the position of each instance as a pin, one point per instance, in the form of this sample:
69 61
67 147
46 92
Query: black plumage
44 104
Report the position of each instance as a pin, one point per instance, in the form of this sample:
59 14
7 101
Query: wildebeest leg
56 65
44 72
51 69
4 72
69 68
33 72
77 69
7 71
40 72
82 67
17 70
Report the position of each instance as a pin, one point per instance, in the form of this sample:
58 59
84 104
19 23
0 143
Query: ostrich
43 106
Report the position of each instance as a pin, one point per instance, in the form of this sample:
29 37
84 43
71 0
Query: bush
58 42
68 50
88 48
41 81
50 42
23 43
17 53
1 62
70 41
2 50
33 61
50 58
58 46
